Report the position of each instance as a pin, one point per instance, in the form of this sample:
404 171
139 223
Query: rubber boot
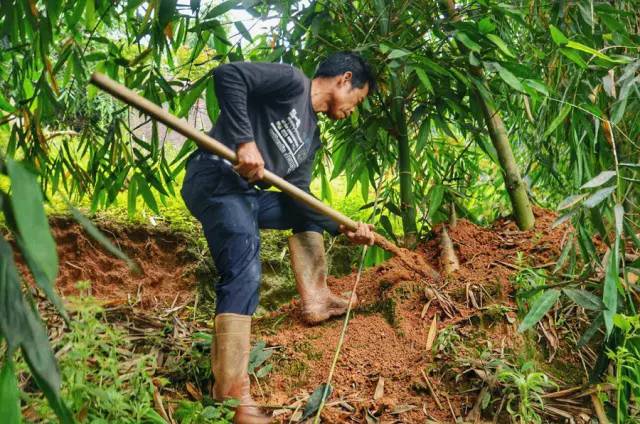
309 266
229 361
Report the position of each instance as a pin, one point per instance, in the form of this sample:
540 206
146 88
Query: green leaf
166 10
313 404
100 238
243 30
9 395
221 9
27 206
557 36
501 44
509 78
599 196
574 57
424 79
610 290
585 299
571 201
599 180
578 46
557 120
5 105
539 309
591 331
132 195
467 41
485 26
398 53
436 199
618 212
188 98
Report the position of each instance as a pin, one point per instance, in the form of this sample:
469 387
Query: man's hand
363 235
250 163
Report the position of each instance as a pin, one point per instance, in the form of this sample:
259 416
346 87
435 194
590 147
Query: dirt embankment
416 349
166 266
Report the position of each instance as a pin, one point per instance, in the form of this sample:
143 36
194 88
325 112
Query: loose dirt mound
166 267
389 335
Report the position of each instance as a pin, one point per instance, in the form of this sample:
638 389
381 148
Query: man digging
268 116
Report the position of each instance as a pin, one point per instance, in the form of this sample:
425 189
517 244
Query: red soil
375 348
165 274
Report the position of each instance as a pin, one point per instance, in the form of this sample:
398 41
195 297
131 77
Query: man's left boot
309 265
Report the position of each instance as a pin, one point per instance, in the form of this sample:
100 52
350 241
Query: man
268 115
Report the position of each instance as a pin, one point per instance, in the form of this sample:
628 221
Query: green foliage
101 381
196 413
523 388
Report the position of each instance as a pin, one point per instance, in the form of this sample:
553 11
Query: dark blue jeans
231 212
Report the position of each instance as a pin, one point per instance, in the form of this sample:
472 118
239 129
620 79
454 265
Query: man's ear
346 77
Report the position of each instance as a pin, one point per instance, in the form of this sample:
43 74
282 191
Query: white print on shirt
286 136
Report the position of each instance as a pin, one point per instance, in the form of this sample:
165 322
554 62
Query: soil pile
413 343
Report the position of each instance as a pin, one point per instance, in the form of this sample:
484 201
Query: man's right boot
309 265
229 360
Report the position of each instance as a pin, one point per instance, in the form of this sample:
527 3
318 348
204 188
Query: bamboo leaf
9 395
610 290
322 391
571 201
501 44
597 197
618 211
599 180
221 9
509 78
540 307
31 222
467 41
422 75
579 46
557 120
557 36
585 299
398 53
591 331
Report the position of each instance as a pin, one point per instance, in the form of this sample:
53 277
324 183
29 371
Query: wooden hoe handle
210 144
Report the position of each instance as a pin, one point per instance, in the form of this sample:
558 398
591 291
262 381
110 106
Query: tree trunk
515 187
407 204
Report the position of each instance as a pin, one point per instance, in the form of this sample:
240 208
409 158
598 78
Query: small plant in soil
447 341
523 388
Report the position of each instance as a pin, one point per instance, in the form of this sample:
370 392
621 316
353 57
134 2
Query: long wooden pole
212 145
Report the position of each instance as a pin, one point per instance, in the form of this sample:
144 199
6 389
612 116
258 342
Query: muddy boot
310 269
229 361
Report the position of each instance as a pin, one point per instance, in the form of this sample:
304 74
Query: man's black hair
341 62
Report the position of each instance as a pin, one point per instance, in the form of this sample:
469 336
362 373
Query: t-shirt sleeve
236 82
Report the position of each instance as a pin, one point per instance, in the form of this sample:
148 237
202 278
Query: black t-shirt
270 104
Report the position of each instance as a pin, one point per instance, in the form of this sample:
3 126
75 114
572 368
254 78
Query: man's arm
301 178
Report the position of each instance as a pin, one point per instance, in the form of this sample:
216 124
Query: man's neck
320 95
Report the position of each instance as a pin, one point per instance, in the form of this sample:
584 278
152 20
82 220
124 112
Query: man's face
345 97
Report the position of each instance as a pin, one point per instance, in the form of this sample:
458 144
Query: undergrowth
105 379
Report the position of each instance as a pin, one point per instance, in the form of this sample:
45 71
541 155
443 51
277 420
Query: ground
415 350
